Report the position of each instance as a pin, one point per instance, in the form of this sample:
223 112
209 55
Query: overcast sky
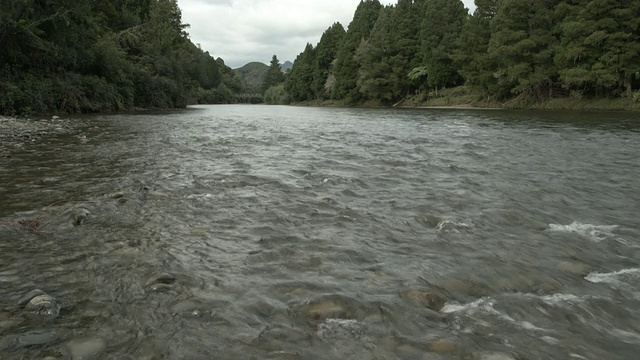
241 31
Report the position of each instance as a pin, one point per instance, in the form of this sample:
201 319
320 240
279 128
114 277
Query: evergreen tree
346 67
600 46
372 56
325 56
442 21
274 75
470 55
298 82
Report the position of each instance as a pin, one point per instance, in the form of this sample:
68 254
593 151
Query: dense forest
72 56
530 50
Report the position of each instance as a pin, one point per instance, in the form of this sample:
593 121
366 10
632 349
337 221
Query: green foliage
325 57
299 81
346 67
276 95
274 75
514 51
71 56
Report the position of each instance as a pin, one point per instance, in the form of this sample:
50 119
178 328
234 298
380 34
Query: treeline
532 50
72 56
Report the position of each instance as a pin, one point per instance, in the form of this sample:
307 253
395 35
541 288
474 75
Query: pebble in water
24 300
325 309
495 356
44 305
85 349
28 339
443 346
162 282
80 216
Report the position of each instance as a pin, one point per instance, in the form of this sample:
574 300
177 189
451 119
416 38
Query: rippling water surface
238 232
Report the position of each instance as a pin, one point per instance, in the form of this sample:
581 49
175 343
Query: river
269 232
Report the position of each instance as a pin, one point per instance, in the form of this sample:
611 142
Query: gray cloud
241 31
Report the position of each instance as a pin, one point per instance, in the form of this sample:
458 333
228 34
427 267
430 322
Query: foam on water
595 233
485 305
612 277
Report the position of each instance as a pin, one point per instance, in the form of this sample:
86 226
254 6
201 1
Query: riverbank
16 132
463 97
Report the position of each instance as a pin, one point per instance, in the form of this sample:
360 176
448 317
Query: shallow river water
257 232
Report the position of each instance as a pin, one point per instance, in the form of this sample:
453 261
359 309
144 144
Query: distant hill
252 75
286 66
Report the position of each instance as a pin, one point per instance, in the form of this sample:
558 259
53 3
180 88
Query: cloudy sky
241 31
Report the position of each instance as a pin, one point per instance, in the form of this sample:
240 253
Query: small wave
486 305
596 233
447 226
339 328
558 299
612 277
482 304
200 196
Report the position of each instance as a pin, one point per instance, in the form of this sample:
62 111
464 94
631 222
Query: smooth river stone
24 300
326 309
37 338
494 356
164 278
574 268
85 349
442 346
31 338
43 304
79 216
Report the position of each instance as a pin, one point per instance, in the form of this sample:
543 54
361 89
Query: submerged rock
325 309
424 298
85 349
116 195
574 268
37 338
28 339
44 305
164 278
494 356
443 346
24 300
80 216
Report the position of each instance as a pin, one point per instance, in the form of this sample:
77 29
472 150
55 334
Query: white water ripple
612 277
595 233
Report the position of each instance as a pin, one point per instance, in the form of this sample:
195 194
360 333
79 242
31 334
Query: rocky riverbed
16 132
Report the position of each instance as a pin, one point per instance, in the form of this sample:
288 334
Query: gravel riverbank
16 132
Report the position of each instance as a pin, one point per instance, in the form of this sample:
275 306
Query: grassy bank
465 97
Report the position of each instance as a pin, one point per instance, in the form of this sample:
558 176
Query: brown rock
442 347
424 298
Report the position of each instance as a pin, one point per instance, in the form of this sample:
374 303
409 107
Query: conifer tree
274 75
325 56
346 67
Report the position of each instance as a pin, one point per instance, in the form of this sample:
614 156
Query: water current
257 232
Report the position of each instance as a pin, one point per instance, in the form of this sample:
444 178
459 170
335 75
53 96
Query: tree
442 21
274 75
298 82
522 45
470 55
599 50
346 67
374 76
325 56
